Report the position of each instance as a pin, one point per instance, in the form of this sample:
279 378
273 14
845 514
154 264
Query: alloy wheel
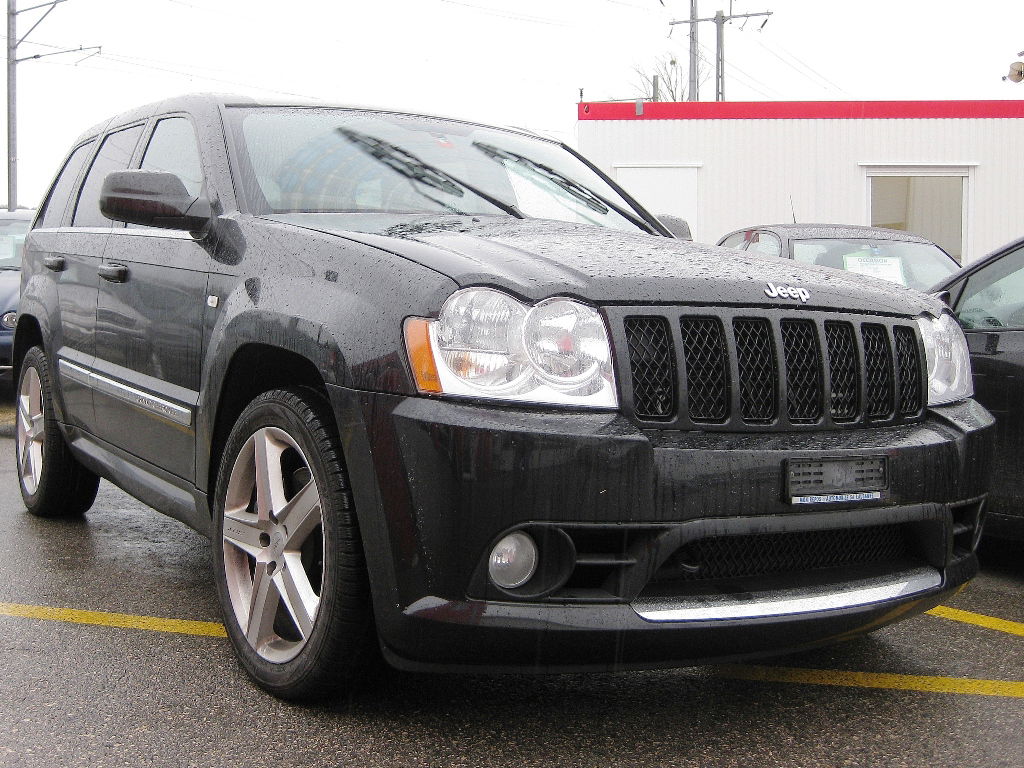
273 544
30 431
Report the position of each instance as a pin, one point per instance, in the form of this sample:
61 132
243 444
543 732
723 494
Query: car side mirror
679 228
153 199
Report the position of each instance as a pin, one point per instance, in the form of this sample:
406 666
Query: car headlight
949 361
487 344
9 320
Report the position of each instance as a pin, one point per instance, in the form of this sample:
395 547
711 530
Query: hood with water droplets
538 258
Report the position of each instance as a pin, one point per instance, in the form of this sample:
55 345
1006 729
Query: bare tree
673 78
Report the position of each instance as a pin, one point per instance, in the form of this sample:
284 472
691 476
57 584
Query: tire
308 634
53 483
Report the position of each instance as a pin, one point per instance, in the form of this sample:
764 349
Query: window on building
928 205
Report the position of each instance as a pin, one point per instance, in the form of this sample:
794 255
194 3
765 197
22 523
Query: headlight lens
949 361
8 320
485 343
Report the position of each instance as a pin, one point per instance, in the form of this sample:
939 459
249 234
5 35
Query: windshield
348 161
12 242
916 265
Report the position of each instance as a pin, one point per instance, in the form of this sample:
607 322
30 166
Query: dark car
888 254
444 392
988 299
13 227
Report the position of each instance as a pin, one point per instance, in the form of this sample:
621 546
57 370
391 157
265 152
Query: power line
823 82
745 75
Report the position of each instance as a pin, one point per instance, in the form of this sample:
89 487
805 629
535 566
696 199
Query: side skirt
149 484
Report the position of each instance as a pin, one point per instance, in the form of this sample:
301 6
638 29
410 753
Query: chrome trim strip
830 597
148 402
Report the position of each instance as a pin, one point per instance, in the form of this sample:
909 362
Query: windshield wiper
407 164
585 195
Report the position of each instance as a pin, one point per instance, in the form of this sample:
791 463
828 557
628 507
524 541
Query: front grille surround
786 369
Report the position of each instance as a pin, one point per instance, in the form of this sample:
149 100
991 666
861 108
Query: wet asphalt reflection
80 694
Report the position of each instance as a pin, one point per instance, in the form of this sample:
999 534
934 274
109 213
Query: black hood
538 258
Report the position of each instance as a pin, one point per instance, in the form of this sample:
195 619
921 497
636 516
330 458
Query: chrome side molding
144 400
829 597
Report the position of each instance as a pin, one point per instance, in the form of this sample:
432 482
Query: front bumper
437 483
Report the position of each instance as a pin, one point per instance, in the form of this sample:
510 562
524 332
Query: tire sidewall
35 359
274 409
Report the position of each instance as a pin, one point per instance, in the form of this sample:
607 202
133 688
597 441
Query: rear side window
174 149
57 202
114 155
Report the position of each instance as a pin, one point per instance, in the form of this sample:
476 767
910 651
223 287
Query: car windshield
305 160
12 242
916 265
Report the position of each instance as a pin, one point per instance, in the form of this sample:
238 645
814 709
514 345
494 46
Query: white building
952 171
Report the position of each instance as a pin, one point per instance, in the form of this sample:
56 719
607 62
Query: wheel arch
27 334
252 369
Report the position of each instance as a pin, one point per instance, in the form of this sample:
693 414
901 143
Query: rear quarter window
52 212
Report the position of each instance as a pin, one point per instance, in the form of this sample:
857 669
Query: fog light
9 320
513 560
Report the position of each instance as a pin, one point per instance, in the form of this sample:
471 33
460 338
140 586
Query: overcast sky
519 63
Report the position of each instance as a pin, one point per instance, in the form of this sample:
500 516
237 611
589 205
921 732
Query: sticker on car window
884 267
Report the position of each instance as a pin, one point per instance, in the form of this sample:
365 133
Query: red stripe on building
799 110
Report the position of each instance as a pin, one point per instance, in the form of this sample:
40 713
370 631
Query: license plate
829 481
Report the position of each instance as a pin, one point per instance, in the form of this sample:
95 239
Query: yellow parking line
979 619
883 680
123 620
873 680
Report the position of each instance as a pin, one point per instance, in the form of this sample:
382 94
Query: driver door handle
115 273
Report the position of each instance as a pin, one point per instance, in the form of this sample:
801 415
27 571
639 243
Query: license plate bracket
835 480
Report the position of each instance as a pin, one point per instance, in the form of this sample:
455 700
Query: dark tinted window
174 149
57 202
114 155
994 297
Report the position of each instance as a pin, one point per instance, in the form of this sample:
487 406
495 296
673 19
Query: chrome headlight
487 344
949 361
9 320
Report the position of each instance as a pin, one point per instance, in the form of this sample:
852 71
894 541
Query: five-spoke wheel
53 482
289 563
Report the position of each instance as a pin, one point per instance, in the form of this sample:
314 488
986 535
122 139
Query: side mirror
153 199
679 228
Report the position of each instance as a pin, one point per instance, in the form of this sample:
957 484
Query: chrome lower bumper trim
749 605
144 400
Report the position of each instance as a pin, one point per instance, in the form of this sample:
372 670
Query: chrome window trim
144 400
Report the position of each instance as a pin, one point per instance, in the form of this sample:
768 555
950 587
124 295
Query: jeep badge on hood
787 292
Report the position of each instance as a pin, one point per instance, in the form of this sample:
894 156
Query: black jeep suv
447 391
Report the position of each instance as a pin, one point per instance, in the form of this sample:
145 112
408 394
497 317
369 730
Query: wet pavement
85 694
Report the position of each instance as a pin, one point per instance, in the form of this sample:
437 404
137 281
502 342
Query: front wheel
53 482
288 559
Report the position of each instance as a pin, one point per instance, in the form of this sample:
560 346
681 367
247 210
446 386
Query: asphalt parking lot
112 656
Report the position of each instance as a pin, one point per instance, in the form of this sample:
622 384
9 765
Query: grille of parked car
706 368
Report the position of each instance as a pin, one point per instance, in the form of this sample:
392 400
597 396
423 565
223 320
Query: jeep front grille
749 370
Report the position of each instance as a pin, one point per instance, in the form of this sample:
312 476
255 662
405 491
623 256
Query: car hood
10 289
538 258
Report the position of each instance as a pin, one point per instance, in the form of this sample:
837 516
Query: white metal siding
749 169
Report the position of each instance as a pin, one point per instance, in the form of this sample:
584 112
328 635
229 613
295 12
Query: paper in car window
885 267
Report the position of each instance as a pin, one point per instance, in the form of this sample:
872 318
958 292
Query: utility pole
13 41
692 92
719 19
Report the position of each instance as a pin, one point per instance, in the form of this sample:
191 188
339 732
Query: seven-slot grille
746 370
